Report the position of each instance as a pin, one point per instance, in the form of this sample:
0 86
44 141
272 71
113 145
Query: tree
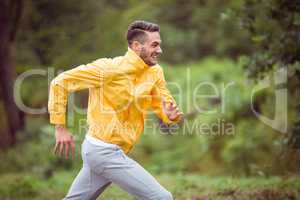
274 27
10 16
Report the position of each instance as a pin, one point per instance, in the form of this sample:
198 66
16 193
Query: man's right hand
64 142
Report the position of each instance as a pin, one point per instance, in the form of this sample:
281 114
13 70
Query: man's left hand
172 111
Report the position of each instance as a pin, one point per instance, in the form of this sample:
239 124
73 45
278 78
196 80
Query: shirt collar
136 60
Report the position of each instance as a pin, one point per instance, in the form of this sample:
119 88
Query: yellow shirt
121 91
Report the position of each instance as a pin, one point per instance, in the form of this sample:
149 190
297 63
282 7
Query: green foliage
277 42
248 150
64 34
14 186
183 187
274 28
36 156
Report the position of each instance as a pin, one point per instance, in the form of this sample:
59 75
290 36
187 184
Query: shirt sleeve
81 77
159 93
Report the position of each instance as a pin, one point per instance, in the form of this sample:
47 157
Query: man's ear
136 47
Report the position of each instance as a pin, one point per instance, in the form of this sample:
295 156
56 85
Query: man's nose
159 50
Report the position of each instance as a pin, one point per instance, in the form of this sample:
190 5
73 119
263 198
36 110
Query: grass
184 187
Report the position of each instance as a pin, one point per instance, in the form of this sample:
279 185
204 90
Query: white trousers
107 163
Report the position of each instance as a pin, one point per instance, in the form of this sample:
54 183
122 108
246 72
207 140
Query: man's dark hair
137 31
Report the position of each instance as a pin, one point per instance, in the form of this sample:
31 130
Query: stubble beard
146 57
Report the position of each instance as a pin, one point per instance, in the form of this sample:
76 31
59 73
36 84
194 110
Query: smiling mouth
155 56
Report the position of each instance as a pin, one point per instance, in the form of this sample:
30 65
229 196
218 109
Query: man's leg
87 184
134 179
129 175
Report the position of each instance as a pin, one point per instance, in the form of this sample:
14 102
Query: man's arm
163 103
81 77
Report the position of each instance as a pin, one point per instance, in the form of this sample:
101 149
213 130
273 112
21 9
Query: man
121 90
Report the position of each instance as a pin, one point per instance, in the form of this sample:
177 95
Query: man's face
151 50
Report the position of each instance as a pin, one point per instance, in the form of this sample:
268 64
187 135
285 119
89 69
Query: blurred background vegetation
216 41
